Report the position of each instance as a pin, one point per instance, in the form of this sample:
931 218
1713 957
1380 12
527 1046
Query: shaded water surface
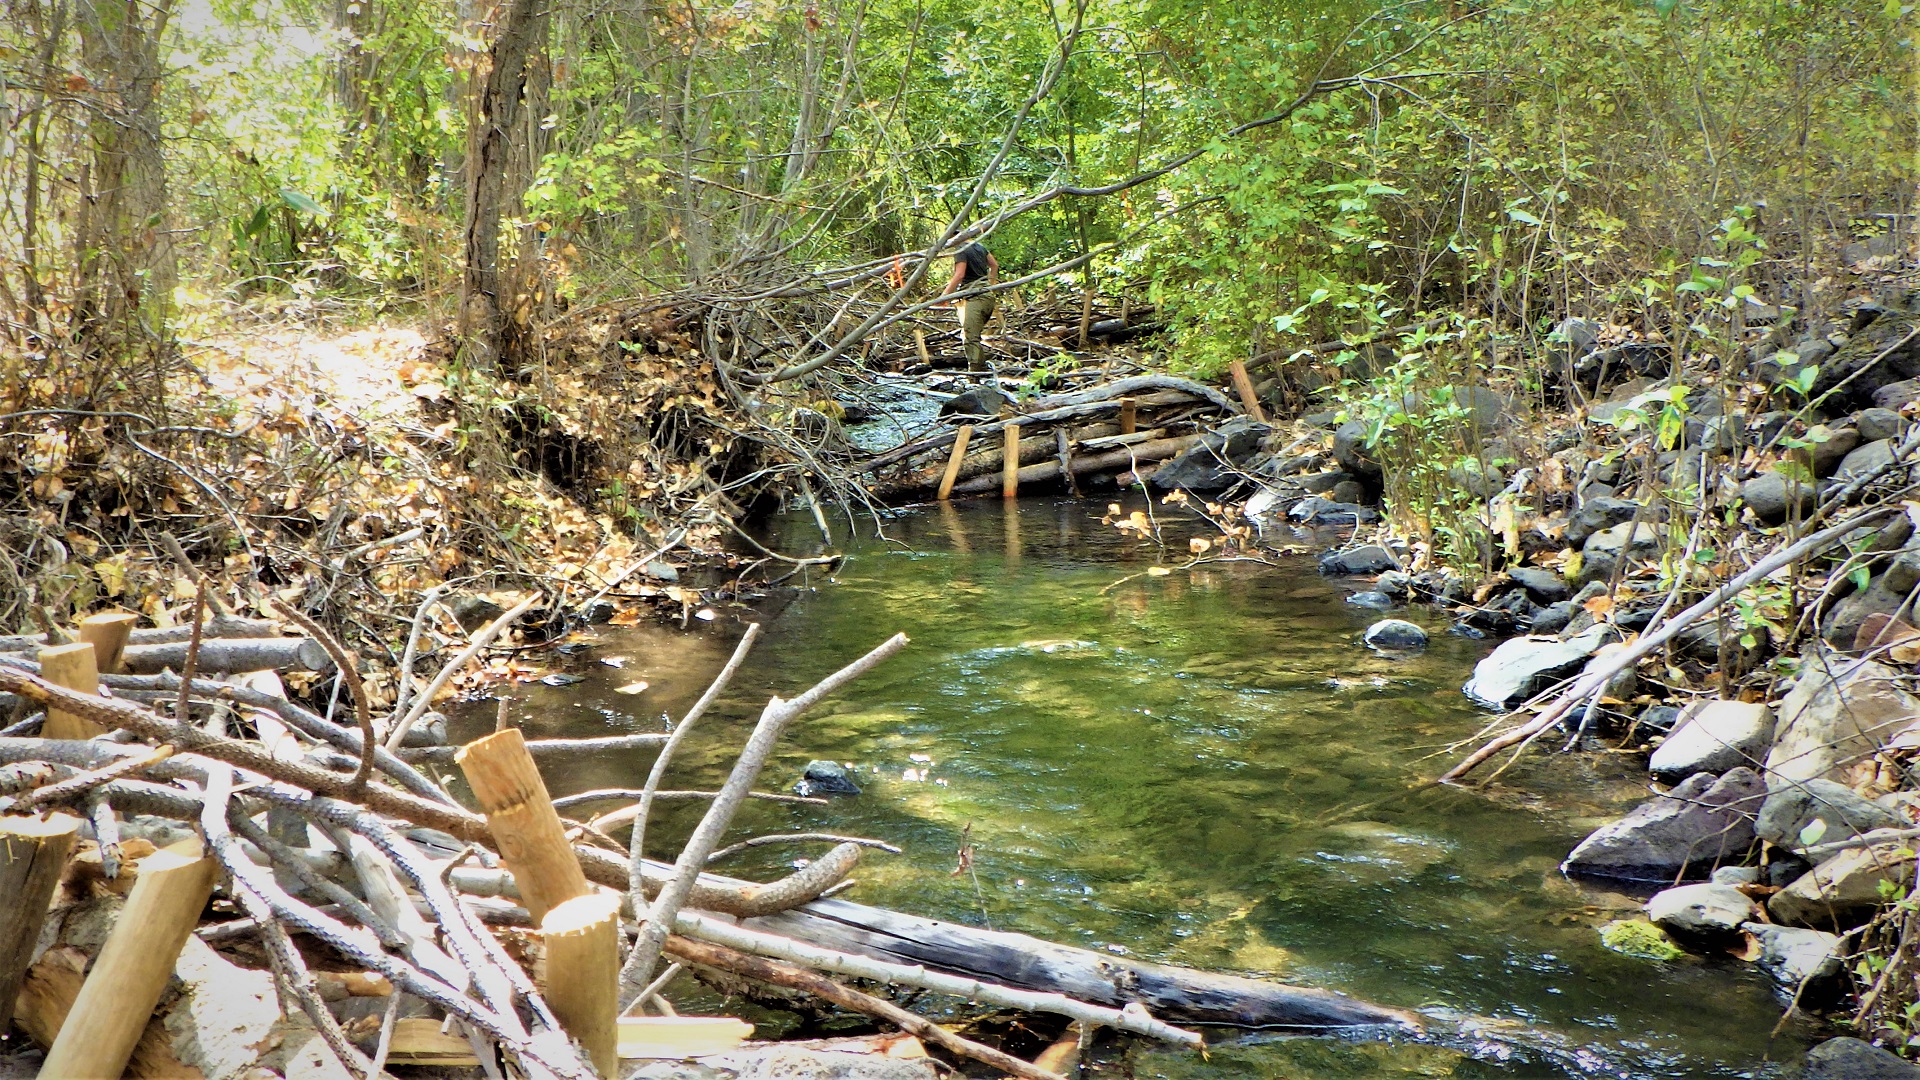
1204 768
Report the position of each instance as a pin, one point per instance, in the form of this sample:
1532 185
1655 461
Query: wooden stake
1244 386
920 342
32 855
1063 450
108 636
133 967
1086 314
953 460
1129 415
71 666
583 975
1010 467
522 819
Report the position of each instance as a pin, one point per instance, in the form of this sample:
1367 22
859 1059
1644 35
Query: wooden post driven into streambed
520 814
132 970
74 667
1083 438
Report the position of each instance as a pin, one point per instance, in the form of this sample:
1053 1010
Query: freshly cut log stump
224 656
74 667
133 967
582 981
33 854
108 636
521 817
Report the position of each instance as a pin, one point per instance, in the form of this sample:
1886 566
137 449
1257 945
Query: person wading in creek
970 264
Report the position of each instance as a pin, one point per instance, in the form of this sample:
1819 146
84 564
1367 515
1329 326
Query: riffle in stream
1204 768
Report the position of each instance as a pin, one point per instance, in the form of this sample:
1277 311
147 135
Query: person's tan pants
974 314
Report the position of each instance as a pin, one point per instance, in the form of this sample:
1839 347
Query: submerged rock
1314 510
1378 601
1701 823
1639 939
826 778
978 402
1514 670
1396 635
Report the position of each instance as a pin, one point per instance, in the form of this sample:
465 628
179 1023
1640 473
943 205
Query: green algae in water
1640 939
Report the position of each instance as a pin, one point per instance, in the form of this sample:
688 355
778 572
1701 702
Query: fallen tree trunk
1016 960
1111 461
228 655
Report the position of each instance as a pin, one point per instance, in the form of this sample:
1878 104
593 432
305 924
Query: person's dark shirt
974 258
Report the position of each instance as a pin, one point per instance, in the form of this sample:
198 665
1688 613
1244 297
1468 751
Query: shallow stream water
1203 768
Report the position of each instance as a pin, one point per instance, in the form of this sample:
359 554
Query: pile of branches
337 834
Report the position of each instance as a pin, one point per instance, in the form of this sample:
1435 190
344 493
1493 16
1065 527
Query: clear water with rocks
1204 768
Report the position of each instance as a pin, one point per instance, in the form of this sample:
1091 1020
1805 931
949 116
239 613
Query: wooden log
47 996
1169 993
220 626
952 472
108 635
229 655
582 982
1243 385
71 666
920 343
520 814
1065 447
793 978
1129 415
1010 464
1086 314
33 855
1092 464
132 969
539 748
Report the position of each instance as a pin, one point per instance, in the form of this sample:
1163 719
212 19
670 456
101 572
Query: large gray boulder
1772 496
1713 736
1793 956
1885 595
1838 713
1601 512
1214 462
1866 460
1850 1059
1703 822
1603 550
1838 891
1877 424
1703 914
1354 453
1787 819
1519 666
1881 353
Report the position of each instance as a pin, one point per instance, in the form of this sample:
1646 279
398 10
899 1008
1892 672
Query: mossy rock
1640 939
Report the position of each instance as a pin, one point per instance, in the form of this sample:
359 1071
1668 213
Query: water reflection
1204 768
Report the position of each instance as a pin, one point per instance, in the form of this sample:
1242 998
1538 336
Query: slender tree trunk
125 257
496 135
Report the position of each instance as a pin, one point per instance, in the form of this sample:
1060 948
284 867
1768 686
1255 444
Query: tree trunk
124 250
497 132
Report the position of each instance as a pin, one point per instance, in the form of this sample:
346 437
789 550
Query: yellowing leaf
1158 571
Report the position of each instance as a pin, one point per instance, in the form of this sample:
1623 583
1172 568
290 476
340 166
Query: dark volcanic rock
1850 1059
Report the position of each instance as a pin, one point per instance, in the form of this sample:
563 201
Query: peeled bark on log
220 626
228 655
1112 460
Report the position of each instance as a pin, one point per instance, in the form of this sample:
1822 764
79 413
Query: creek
1204 768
